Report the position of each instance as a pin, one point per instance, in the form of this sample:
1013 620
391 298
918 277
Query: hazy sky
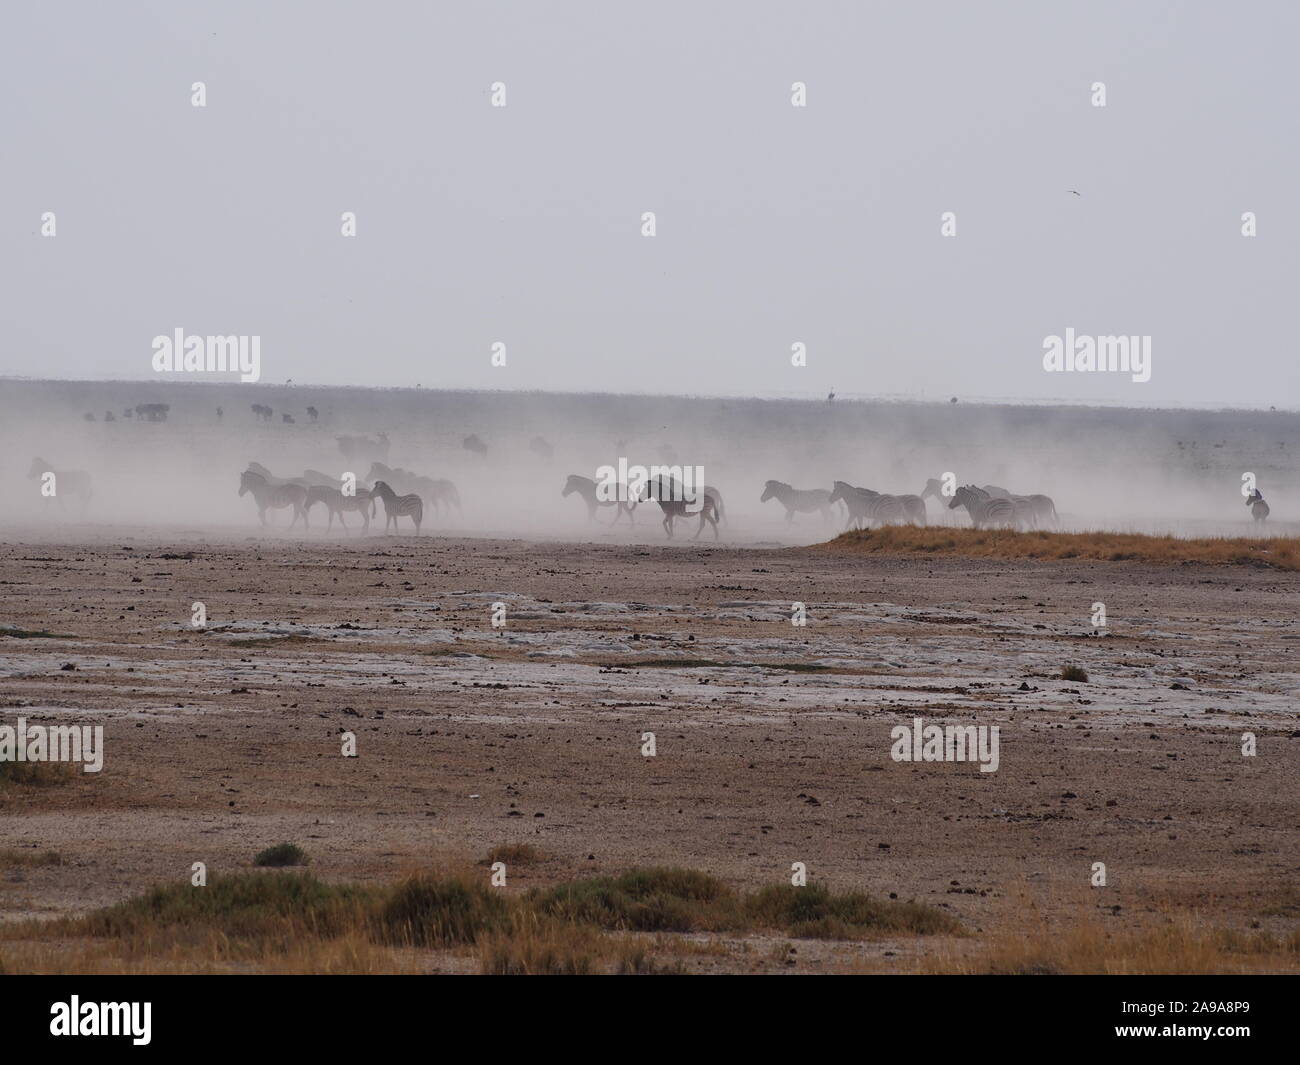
775 224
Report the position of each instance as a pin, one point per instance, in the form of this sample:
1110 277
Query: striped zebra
800 500
272 479
984 510
438 493
1258 508
669 494
586 488
395 506
866 506
363 503
860 503
68 484
274 496
1038 511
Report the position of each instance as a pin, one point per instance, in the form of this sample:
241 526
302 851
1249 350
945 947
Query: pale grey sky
775 224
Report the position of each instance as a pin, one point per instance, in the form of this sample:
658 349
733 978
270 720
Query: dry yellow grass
1182 945
910 540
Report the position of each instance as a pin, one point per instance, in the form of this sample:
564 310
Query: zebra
438 493
803 500
272 479
444 493
669 494
363 502
1044 510
984 510
586 488
716 496
316 479
864 505
1038 510
1258 508
474 444
393 476
933 488
274 496
395 506
856 500
74 484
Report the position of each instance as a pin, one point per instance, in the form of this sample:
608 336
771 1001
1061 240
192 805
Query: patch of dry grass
515 854
1181 945
12 856
910 540
34 774
295 922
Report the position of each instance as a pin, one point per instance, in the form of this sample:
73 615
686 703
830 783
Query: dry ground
773 740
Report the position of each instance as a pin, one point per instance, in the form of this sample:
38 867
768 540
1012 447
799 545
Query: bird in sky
1074 192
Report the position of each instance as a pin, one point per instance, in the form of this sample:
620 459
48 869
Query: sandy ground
773 742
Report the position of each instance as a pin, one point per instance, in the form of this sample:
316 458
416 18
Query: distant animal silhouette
586 488
68 484
362 448
1258 508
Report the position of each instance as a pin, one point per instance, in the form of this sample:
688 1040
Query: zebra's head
571 485
841 492
250 481
771 489
382 490
1256 496
965 494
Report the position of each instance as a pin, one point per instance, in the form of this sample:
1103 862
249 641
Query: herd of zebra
988 507
403 494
